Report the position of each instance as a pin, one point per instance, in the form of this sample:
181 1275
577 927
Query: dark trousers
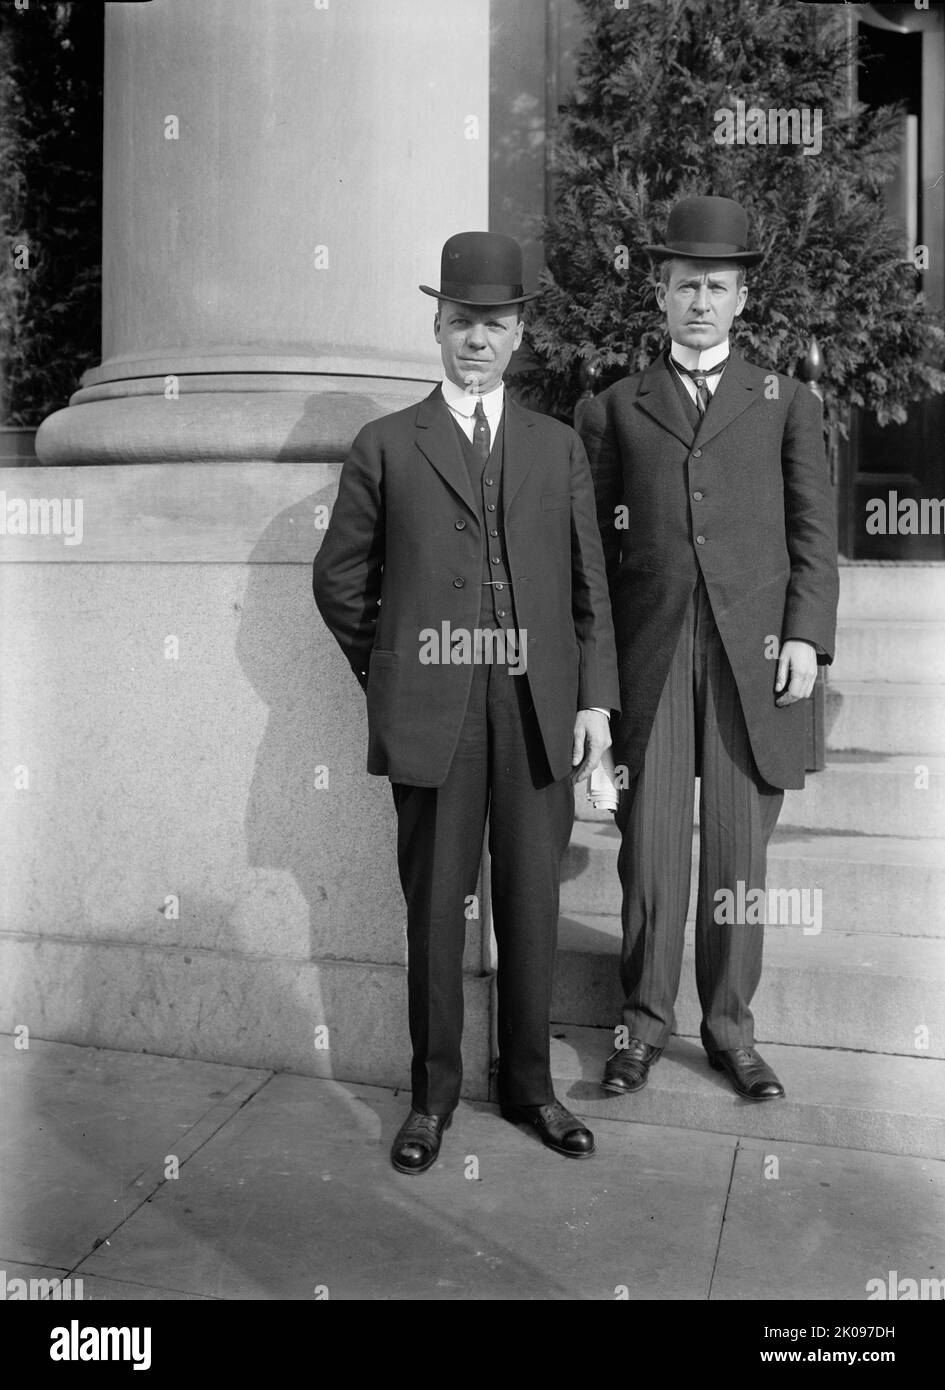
699 729
499 768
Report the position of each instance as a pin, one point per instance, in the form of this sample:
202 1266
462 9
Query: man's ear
436 326
740 301
661 295
519 332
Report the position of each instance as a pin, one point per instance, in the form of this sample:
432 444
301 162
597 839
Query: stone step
870 993
893 591
885 718
863 793
852 1100
892 795
873 794
869 883
877 649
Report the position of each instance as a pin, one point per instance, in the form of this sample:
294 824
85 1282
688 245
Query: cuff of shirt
816 645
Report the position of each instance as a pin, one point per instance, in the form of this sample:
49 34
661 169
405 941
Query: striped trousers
699 730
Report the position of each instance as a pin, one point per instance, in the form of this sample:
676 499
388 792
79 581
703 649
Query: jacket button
500 612
459 583
700 540
460 525
490 507
697 496
697 453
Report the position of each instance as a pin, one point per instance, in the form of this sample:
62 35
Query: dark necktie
703 395
482 436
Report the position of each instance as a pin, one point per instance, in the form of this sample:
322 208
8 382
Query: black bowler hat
479 269
707 229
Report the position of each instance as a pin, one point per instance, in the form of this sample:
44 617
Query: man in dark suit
718 528
463 578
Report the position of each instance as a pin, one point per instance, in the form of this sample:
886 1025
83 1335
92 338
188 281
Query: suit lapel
437 441
519 453
657 395
737 390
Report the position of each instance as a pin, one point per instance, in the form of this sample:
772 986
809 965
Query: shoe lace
554 1110
428 1123
746 1056
636 1050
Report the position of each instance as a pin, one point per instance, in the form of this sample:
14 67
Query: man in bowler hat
467 516
718 528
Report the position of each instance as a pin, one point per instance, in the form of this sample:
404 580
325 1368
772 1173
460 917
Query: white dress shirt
695 359
462 406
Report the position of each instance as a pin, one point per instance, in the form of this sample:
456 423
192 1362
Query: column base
229 418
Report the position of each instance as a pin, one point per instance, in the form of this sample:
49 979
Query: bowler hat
480 268
707 229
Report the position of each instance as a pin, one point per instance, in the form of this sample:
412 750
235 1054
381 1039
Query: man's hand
797 672
591 737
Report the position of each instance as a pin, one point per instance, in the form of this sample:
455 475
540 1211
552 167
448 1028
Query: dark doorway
885 470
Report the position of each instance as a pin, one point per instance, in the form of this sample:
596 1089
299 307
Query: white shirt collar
464 402
693 358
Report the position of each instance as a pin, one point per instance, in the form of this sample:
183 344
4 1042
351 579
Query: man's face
701 302
476 344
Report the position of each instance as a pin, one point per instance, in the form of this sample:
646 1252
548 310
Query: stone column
279 175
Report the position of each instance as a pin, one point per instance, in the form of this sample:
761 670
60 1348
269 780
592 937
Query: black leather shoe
416 1146
628 1068
749 1073
555 1127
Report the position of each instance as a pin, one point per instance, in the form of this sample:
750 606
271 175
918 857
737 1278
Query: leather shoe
628 1068
555 1126
416 1145
749 1073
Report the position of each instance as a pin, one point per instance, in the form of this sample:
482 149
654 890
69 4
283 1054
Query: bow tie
700 371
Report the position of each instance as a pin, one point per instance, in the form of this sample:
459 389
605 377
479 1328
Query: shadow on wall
313 811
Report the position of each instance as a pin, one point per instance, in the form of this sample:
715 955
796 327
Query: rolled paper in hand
602 790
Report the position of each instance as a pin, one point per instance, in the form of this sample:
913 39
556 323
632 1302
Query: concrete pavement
159 1178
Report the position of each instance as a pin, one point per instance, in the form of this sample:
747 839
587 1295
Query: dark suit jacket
753 485
403 552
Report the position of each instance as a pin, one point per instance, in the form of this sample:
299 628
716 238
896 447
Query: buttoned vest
497 605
